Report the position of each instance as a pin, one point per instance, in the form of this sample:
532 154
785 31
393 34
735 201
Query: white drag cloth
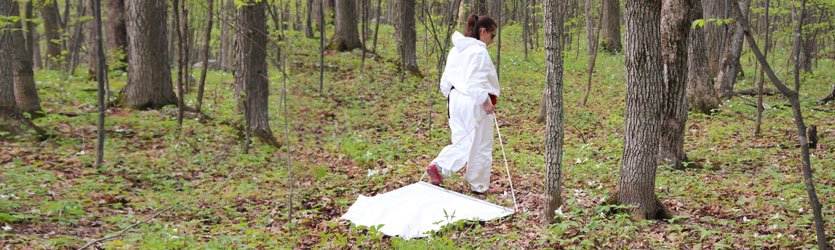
417 209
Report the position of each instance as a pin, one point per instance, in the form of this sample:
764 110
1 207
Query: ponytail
475 23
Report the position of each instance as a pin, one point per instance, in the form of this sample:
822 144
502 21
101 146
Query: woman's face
487 36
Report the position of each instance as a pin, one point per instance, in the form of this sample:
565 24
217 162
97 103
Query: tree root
662 213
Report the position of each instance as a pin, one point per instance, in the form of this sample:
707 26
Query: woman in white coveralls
472 86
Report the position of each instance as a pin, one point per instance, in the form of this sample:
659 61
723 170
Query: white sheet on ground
413 210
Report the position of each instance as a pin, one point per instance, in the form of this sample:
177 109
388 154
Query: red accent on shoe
434 176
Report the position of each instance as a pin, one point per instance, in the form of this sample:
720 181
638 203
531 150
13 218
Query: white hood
461 42
469 69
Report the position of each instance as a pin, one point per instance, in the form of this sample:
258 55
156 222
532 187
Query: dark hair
476 22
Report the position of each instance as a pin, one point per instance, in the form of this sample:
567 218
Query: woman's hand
488 106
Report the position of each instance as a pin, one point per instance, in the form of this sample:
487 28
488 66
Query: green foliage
698 23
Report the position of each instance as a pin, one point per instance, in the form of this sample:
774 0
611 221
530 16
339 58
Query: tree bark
149 78
715 35
206 49
589 31
12 122
101 76
25 93
180 58
761 82
52 32
346 37
408 37
227 42
90 42
701 96
644 86
308 22
729 64
553 23
31 34
251 73
117 41
675 25
611 26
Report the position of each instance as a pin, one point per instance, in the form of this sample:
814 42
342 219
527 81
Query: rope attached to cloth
504 156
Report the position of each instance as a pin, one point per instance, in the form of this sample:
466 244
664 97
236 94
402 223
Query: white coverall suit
469 76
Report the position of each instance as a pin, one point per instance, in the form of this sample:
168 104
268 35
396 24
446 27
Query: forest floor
370 132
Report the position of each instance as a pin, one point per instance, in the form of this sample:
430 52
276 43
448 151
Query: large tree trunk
643 100
675 25
117 41
346 37
90 42
26 95
251 69
149 77
715 35
12 122
611 26
408 37
227 41
729 65
553 23
701 96
52 32
30 32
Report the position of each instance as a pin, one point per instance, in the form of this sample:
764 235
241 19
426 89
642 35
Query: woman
472 86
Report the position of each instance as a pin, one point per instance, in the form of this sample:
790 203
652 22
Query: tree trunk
643 99
589 31
149 77
52 32
553 23
675 25
715 35
346 37
761 82
101 78
12 122
25 93
729 65
308 22
117 41
31 32
90 42
701 96
227 41
408 37
479 7
177 7
206 49
251 73
611 26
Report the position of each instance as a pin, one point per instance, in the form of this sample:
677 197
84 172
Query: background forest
248 124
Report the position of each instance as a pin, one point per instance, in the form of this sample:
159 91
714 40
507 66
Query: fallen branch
753 92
